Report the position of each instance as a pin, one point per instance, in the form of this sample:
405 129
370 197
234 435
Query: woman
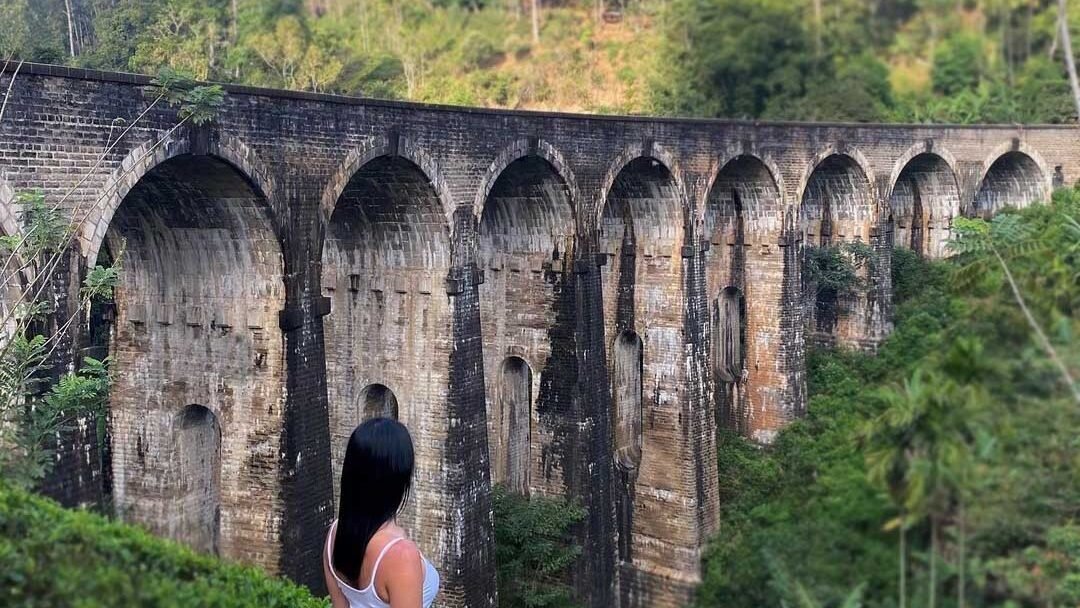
369 561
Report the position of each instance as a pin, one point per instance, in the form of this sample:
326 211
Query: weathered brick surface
494 272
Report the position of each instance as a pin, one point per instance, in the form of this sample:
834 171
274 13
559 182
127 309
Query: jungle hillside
952 61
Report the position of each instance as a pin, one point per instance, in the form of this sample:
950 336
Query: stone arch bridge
567 305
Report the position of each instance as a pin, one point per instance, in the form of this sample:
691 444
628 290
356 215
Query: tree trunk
903 565
70 26
818 24
960 585
234 29
932 599
1070 61
536 21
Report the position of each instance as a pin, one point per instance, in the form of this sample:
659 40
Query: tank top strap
378 560
330 541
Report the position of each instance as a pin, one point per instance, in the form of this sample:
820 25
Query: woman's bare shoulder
402 554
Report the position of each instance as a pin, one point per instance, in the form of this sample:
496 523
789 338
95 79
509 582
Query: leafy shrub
478 51
534 549
50 556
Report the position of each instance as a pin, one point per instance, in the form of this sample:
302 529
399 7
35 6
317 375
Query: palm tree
919 449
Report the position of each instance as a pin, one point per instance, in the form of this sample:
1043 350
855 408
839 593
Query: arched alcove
197 452
196 321
641 230
511 445
377 401
385 261
836 203
729 346
923 202
643 209
1013 181
743 197
729 335
627 390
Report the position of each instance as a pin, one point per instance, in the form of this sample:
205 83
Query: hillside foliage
959 436
854 60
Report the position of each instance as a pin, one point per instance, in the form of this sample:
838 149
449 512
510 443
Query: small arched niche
924 200
627 391
377 401
729 335
197 456
1013 181
512 446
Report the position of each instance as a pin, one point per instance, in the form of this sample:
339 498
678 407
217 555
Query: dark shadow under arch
923 202
1013 181
529 210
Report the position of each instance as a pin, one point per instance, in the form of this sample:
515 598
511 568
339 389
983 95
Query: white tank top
366 597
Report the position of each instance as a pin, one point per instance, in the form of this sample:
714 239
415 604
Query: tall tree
1066 47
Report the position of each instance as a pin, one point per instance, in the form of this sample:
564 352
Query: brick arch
646 150
385 145
764 183
197 307
924 197
852 153
1022 184
918 149
148 155
519 149
848 171
527 205
386 254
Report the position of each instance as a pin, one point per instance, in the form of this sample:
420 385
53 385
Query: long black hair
375 481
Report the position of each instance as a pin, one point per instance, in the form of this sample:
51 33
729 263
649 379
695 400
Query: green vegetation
899 60
51 556
534 550
950 457
858 60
